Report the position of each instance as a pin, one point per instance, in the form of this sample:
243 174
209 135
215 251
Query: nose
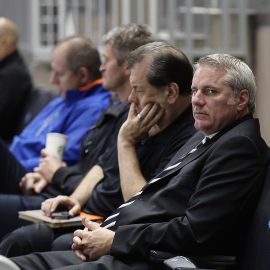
132 97
197 98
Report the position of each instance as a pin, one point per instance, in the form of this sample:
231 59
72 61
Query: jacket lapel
187 160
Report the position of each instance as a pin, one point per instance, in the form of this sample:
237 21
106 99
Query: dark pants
11 198
66 260
9 207
36 237
11 171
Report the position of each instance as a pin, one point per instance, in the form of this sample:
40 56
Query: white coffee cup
56 144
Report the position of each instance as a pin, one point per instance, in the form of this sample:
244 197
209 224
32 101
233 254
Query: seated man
167 105
203 199
15 80
75 70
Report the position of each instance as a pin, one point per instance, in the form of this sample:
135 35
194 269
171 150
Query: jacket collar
90 85
198 137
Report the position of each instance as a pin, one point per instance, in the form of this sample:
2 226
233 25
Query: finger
149 110
22 182
24 178
55 203
37 169
90 224
132 111
75 210
77 241
27 175
49 206
46 206
145 110
41 164
44 153
153 116
156 113
29 183
74 247
40 186
35 175
80 255
147 114
78 233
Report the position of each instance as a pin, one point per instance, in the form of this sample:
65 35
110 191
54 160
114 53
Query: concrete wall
262 70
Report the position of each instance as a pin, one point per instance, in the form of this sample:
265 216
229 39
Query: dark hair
127 38
168 64
81 52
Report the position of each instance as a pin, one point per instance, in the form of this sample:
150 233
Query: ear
172 92
125 68
243 99
84 75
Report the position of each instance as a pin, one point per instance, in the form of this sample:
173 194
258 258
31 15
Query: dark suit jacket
204 204
15 87
201 207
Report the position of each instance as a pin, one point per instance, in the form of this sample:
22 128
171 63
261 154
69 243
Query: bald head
8 37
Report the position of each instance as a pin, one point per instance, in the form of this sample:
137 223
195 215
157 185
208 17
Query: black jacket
15 87
99 140
202 205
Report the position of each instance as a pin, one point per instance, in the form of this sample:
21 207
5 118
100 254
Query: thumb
90 225
75 210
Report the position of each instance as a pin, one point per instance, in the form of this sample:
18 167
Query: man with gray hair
15 80
203 199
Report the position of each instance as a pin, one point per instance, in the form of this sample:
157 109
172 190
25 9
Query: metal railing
197 26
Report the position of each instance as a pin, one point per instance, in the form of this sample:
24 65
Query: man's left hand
32 183
138 125
92 242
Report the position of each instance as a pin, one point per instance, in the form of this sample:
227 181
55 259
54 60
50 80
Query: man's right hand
48 165
50 205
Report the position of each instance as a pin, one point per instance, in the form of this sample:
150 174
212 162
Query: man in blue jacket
75 71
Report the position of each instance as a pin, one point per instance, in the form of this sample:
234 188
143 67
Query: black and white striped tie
110 221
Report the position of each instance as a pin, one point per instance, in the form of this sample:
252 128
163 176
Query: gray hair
126 38
238 74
